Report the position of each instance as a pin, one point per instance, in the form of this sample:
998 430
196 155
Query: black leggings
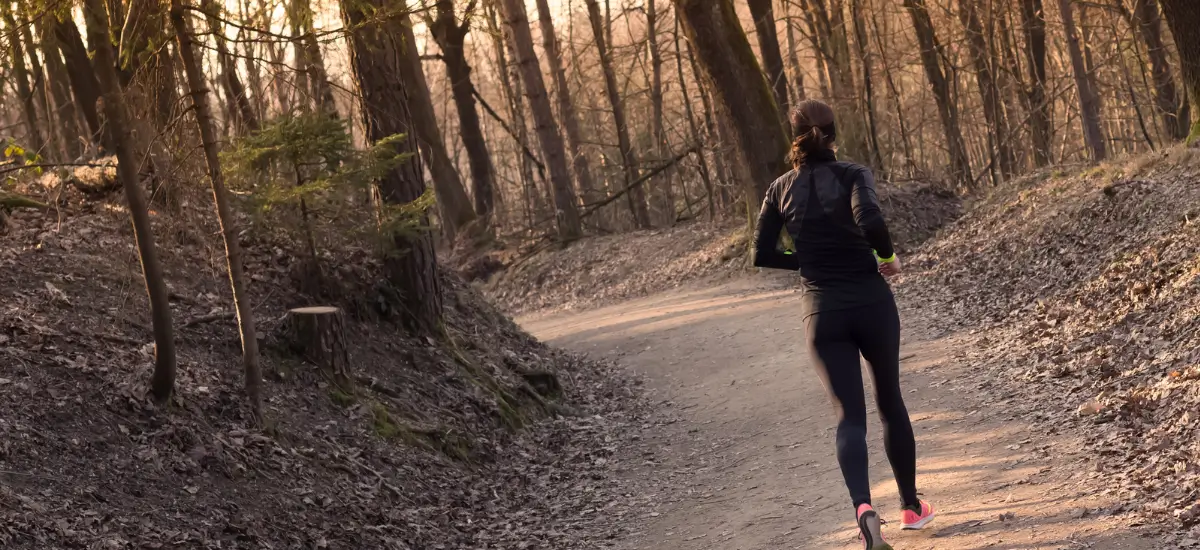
835 340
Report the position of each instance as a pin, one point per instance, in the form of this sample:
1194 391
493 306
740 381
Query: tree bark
451 37
163 382
629 162
1183 18
1148 21
794 61
84 85
662 146
247 329
768 45
566 210
1033 23
960 165
377 61
566 105
319 335
245 119
834 51
510 82
37 142
1089 102
868 104
989 92
309 61
694 128
738 84
58 82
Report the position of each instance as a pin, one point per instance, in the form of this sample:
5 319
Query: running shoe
917 517
870 531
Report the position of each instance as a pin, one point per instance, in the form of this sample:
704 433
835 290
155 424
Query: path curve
749 464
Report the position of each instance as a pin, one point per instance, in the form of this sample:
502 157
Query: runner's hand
890 269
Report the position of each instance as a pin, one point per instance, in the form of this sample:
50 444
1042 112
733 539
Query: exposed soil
746 461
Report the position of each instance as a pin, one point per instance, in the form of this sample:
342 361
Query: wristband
886 260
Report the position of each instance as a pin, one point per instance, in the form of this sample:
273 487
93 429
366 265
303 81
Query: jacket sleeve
868 216
766 237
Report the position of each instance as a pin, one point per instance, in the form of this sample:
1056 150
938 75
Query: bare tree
993 105
566 105
229 229
1089 101
1183 17
163 382
235 92
931 58
24 86
739 85
629 163
768 45
1033 24
567 212
1147 19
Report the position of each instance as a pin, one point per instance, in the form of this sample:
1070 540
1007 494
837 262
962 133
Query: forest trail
749 462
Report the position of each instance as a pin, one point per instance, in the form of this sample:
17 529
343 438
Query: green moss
383 425
341 398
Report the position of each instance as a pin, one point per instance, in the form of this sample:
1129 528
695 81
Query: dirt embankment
607 269
1084 292
439 444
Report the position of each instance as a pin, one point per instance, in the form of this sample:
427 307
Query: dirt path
749 464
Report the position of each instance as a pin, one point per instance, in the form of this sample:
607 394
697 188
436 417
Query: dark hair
814 128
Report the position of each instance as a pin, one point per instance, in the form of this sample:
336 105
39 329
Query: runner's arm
868 215
766 237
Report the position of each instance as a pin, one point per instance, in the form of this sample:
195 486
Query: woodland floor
746 460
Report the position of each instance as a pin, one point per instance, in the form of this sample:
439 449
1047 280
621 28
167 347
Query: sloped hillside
1084 290
439 444
618 267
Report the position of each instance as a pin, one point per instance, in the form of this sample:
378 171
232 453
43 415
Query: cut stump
319 334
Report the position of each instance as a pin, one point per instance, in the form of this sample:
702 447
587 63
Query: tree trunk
452 196
37 142
662 146
1183 18
739 86
244 118
310 64
59 85
52 141
868 104
989 92
794 61
960 164
567 212
894 90
566 105
1148 21
629 162
834 51
510 82
378 60
163 381
694 128
1089 102
1033 23
84 85
229 229
319 335
711 131
451 38
768 44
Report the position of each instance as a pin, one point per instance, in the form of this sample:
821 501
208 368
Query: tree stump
319 335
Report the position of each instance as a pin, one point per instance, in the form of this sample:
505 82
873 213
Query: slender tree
1089 101
694 127
931 58
229 229
451 38
1183 18
1033 25
739 85
244 115
59 84
163 381
629 163
377 60
1147 19
25 93
457 213
989 92
570 227
566 105
768 46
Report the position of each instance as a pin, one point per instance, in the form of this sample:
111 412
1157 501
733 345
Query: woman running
843 252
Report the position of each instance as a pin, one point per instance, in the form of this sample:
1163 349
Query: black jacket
831 212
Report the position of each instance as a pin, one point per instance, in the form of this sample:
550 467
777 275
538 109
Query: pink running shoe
869 530
914 519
